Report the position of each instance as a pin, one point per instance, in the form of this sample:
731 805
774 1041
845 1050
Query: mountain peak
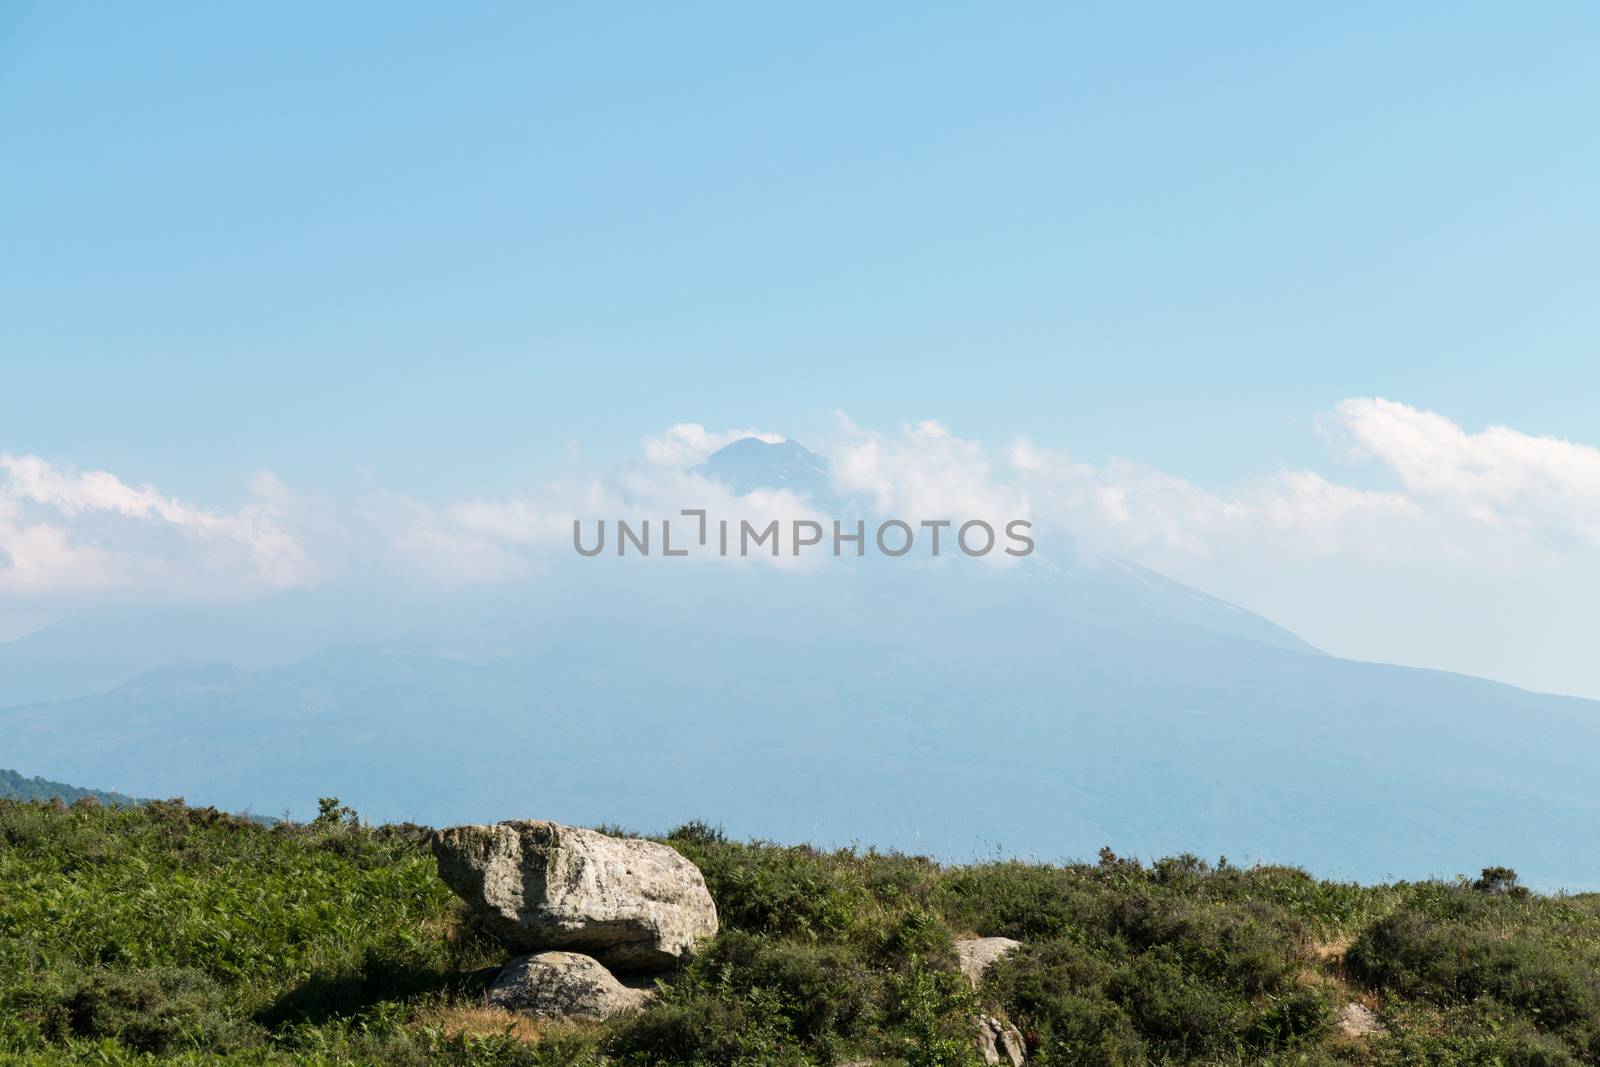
750 463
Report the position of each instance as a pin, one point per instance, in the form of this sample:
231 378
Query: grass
164 934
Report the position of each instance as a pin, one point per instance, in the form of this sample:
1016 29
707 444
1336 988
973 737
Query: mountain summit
750 463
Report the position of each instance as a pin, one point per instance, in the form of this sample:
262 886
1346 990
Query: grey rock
1358 1020
1000 1042
633 905
563 985
978 954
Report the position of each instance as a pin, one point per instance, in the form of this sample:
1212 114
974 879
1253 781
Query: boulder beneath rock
978 954
1000 1042
563 985
633 905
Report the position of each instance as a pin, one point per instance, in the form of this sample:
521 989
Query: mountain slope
94 651
897 713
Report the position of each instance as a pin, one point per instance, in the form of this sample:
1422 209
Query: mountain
13 786
95 651
750 463
953 706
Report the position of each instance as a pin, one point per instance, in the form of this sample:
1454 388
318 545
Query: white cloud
1435 456
489 540
1498 498
472 543
1494 499
1127 508
687 443
1546 487
66 532
925 472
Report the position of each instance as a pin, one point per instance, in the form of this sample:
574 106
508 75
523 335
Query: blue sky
425 249
422 244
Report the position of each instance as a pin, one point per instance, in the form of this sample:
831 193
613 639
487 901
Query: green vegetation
175 935
15 787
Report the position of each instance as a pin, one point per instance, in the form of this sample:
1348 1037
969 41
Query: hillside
13 786
172 934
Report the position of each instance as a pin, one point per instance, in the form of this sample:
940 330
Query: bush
1454 946
692 1025
1499 880
934 1010
1179 1016
783 891
824 994
1297 1017
1057 994
154 1010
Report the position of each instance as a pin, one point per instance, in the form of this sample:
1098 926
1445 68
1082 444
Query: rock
633 905
999 1042
978 954
1358 1020
563 985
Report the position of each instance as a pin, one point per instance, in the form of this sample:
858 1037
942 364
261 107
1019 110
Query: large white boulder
633 905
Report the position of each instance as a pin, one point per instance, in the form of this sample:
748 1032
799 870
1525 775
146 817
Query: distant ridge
14 786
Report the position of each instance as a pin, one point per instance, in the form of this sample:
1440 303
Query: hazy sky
441 253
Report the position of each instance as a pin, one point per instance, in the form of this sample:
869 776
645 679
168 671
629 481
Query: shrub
155 1010
825 994
934 1009
1056 992
698 1026
1298 1017
1499 880
783 891
1179 1016
1481 951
